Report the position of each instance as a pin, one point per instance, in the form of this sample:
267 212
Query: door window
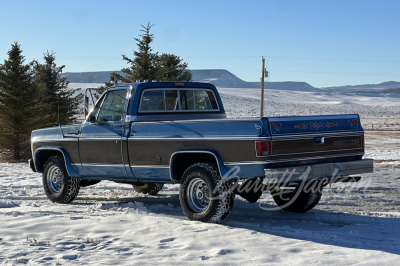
113 106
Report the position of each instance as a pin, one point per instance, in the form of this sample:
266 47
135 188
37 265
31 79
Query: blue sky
324 43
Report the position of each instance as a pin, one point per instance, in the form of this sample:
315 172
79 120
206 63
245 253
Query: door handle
75 132
118 126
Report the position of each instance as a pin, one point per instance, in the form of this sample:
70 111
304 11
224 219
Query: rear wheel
203 195
298 199
58 185
149 188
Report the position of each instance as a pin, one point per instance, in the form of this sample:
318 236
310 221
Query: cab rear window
173 100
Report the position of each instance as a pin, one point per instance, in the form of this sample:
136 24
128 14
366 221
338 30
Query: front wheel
58 185
203 195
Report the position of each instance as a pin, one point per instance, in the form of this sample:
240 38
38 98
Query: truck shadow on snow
319 226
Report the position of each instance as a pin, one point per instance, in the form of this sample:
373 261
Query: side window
113 106
152 101
204 100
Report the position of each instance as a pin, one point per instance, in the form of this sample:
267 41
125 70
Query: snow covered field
110 224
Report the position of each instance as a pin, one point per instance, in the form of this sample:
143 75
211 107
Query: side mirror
92 119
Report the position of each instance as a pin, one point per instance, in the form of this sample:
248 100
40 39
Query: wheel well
183 160
43 156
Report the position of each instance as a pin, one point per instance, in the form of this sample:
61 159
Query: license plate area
320 170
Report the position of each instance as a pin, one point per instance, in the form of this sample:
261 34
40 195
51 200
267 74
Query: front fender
71 171
223 170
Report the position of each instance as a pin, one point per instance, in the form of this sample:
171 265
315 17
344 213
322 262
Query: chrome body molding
318 134
211 120
100 139
150 166
66 139
317 171
162 138
102 165
243 163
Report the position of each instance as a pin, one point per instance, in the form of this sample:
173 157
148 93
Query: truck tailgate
315 137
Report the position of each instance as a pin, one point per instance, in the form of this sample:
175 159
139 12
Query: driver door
100 139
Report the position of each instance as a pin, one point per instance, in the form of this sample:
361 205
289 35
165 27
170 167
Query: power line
300 58
336 59
318 72
238 56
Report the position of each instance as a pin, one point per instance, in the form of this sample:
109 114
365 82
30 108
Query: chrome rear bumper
318 171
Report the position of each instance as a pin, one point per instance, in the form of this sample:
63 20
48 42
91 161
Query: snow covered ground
110 224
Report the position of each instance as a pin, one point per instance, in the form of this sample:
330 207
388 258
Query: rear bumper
318 171
32 165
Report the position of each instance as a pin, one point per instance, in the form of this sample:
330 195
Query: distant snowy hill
88 77
365 87
287 86
219 77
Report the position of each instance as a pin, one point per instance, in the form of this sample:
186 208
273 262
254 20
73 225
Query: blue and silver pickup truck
150 134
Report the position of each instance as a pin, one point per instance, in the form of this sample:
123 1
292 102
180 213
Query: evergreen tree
21 110
171 68
149 65
63 103
144 64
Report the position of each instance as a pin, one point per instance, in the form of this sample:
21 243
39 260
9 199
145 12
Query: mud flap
251 190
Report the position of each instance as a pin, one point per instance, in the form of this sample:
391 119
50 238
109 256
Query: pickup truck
148 134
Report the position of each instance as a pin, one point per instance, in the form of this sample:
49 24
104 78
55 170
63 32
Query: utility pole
262 87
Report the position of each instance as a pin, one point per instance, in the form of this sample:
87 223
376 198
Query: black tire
58 185
301 199
200 181
149 188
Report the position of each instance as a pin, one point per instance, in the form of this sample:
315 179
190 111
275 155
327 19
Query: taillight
263 148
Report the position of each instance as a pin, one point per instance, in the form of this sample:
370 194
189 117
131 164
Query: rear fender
223 170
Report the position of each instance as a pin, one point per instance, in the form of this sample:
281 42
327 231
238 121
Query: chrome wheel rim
198 195
54 179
